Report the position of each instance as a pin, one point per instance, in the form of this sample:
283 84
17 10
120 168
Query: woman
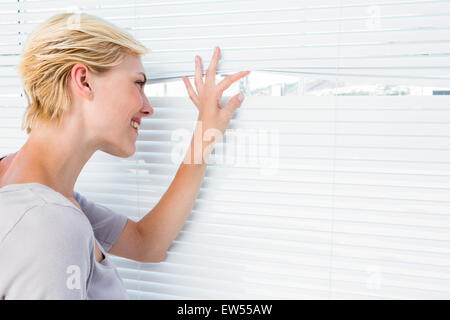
84 82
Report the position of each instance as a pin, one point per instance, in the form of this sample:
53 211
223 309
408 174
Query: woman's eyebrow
145 77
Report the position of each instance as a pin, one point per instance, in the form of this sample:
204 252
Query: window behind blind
355 204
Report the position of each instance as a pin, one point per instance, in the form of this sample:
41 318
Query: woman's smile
134 129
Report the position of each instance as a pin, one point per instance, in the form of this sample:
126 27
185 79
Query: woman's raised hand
208 94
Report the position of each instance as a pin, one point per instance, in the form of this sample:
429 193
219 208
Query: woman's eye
141 83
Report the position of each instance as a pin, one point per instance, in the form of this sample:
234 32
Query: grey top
47 246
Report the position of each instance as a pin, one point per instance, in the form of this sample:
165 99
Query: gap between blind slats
309 102
343 18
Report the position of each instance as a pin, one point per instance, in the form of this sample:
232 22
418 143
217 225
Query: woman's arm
149 238
163 223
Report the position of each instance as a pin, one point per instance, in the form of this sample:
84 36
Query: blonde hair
51 51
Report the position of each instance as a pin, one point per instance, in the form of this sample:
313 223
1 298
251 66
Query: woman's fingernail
241 97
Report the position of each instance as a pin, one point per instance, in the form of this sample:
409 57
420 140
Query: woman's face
118 97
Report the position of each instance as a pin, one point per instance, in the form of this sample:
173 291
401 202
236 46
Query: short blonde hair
51 51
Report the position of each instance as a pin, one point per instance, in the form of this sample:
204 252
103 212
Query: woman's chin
129 153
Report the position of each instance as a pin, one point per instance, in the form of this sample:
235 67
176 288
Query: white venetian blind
357 204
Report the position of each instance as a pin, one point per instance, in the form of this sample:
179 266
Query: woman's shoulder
38 213
32 192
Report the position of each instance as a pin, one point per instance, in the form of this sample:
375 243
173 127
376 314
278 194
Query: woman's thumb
234 103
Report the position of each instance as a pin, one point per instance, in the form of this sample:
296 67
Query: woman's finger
234 103
191 91
211 72
228 81
198 74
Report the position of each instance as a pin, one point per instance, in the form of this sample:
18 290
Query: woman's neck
51 156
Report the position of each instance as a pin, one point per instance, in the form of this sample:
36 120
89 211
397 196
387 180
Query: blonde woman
84 83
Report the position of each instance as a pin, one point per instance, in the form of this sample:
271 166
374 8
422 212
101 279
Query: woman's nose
147 108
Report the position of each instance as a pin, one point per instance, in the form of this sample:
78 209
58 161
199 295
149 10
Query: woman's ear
81 80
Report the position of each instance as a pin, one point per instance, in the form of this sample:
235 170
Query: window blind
356 206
